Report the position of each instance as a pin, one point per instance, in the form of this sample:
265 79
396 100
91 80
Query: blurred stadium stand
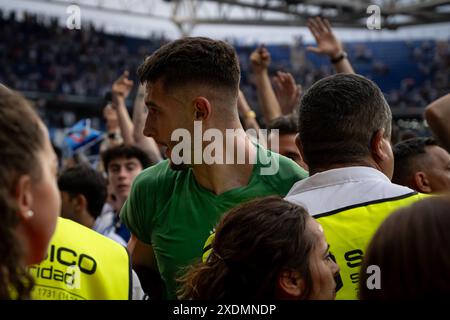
69 71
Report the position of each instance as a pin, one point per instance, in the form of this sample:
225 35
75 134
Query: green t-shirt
169 210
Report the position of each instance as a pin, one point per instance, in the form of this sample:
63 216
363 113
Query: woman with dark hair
29 196
412 251
264 249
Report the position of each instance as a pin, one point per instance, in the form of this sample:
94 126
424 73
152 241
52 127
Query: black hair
285 124
127 152
406 154
338 118
254 243
91 184
190 60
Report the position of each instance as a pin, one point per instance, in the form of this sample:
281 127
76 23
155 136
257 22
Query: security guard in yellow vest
82 265
345 138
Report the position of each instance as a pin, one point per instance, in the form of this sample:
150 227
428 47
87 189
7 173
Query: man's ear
202 109
23 195
378 145
290 284
299 145
79 203
422 183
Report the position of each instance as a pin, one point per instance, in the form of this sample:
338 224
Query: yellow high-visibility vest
348 232
82 264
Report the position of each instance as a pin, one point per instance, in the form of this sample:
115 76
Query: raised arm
437 115
328 44
260 61
246 112
139 115
114 136
120 91
288 92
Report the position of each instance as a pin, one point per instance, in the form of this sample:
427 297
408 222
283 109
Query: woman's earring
29 214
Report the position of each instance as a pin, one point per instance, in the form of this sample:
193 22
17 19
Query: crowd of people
323 206
40 56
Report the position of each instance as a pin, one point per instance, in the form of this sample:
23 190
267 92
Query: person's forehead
316 230
150 89
158 95
315 226
285 141
286 138
64 195
48 153
149 86
123 161
439 154
155 87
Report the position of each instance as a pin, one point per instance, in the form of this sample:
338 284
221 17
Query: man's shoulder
342 196
71 232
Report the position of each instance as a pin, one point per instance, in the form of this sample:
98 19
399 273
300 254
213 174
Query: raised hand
327 43
121 88
260 60
287 91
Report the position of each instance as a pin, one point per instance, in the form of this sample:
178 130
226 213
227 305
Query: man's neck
219 178
86 220
361 163
119 204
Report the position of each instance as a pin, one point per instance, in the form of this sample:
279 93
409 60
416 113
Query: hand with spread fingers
327 43
287 91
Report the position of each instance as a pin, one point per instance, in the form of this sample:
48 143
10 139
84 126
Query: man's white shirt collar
338 188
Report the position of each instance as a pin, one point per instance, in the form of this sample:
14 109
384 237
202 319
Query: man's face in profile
165 114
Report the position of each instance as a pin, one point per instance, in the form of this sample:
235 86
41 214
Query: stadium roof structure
187 14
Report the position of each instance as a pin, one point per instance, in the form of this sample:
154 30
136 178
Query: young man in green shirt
174 205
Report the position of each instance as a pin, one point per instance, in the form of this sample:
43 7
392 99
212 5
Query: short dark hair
411 249
338 118
127 152
254 242
285 124
195 60
406 154
91 184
